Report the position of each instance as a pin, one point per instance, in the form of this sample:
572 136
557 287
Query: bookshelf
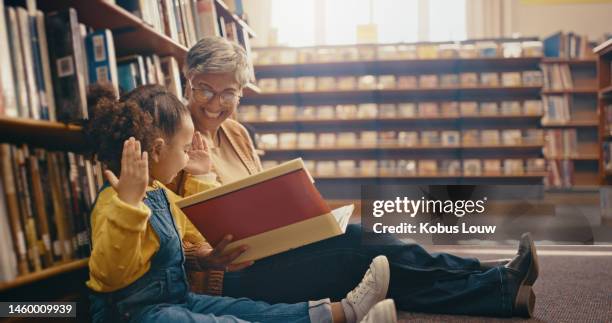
131 35
278 65
43 274
571 122
604 102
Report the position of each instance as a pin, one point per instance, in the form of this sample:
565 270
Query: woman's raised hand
199 156
132 183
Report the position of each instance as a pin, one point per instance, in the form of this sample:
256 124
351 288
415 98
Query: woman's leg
332 267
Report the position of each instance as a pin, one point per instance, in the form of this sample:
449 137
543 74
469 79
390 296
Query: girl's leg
256 311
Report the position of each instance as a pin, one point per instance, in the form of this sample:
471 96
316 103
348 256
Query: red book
271 212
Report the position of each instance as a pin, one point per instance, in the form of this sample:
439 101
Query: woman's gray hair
218 55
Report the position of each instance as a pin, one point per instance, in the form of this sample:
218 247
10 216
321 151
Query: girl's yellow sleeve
123 243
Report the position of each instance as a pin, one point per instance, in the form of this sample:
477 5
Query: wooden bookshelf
571 91
424 176
573 123
377 95
571 61
407 148
44 274
387 120
408 66
604 84
46 134
584 118
131 36
481 93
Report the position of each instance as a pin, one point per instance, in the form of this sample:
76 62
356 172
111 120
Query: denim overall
162 294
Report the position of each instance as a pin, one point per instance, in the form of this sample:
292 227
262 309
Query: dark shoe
490 264
525 265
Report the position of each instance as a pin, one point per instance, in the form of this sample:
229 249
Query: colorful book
100 50
65 52
271 212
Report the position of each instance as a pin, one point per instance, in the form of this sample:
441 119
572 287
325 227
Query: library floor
575 285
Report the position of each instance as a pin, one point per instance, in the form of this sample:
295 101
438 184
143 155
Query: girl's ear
187 93
156 149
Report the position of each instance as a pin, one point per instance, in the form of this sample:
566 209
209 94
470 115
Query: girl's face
212 99
168 157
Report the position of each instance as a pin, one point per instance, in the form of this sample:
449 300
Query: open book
271 212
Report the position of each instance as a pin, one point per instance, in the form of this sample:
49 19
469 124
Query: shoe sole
525 297
389 311
382 263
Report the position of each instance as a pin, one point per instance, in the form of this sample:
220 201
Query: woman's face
209 114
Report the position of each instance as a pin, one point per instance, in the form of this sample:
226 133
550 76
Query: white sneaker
372 289
382 312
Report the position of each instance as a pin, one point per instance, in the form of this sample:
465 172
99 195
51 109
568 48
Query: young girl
136 267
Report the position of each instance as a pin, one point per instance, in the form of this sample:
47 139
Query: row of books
561 143
44 204
560 174
247 113
50 59
385 82
185 21
422 167
556 109
447 138
568 45
268 56
557 77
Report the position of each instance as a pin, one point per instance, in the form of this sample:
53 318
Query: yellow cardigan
124 241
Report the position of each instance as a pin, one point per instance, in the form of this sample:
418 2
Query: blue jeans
204 308
420 281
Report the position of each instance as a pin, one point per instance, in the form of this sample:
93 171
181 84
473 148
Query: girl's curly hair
145 113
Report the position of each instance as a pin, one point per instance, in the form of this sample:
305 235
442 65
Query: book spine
41 211
179 22
77 206
46 67
7 81
27 217
17 229
18 64
23 20
63 37
38 69
8 259
101 58
47 189
61 247
67 200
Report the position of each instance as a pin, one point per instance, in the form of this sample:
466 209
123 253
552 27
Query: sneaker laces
361 289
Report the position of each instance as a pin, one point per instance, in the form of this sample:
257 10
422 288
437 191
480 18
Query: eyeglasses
205 96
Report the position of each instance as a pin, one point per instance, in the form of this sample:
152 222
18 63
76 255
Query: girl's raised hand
199 156
132 183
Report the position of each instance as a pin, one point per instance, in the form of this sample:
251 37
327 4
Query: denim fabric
162 294
420 281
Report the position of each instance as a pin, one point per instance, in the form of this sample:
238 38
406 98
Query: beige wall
494 18
591 19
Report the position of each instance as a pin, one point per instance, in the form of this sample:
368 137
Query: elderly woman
216 71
